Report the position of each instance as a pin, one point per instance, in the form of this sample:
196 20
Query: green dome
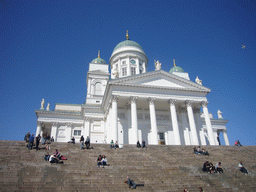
176 69
128 43
99 60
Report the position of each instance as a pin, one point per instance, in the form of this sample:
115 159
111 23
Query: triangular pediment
160 79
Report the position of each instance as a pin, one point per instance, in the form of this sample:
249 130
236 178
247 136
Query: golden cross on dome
127 36
99 54
174 63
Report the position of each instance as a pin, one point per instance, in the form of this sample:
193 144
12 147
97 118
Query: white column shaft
225 137
54 132
134 121
38 129
114 116
154 139
175 124
192 125
208 125
86 131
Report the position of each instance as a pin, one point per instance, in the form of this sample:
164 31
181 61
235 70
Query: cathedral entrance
161 138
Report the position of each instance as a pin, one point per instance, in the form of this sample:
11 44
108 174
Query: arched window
98 89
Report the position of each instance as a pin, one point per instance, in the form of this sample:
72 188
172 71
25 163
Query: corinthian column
114 117
225 137
68 131
39 128
154 139
174 122
192 123
54 131
208 123
133 101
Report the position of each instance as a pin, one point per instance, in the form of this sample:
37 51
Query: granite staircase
159 168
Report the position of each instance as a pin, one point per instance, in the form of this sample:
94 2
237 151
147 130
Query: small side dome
175 68
99 60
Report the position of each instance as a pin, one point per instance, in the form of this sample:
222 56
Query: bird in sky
243 47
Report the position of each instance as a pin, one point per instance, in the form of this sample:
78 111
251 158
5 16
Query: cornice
164 88
58 112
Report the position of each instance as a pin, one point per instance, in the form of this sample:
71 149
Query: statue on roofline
198 81
42 104
157 65
219 114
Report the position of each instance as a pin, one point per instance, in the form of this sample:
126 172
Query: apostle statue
198 81
115 73
219 114
42 104
157 65
48 107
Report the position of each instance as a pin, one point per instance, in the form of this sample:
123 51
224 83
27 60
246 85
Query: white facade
129 104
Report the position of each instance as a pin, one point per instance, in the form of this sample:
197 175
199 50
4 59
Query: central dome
127 43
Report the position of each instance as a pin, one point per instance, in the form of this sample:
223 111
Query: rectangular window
123 62
133 71
77 132
124 71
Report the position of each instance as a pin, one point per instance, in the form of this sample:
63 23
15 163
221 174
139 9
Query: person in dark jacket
131 183
38 141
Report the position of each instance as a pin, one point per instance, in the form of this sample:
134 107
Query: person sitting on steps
241 168
143 144
237 143
87 142
138 144
218 168
204 152
99 163
116 145
195 151
212 168
54 159
206 167
111 144
47 156
103 161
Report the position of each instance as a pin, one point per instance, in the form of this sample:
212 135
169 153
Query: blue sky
46 47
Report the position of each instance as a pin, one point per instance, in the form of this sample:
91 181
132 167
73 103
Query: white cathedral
129 104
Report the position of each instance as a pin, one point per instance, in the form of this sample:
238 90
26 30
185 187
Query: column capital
133 99
172 101
40 123
114 98
69 124
151 100
188 103
87 118
55 124
204 103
